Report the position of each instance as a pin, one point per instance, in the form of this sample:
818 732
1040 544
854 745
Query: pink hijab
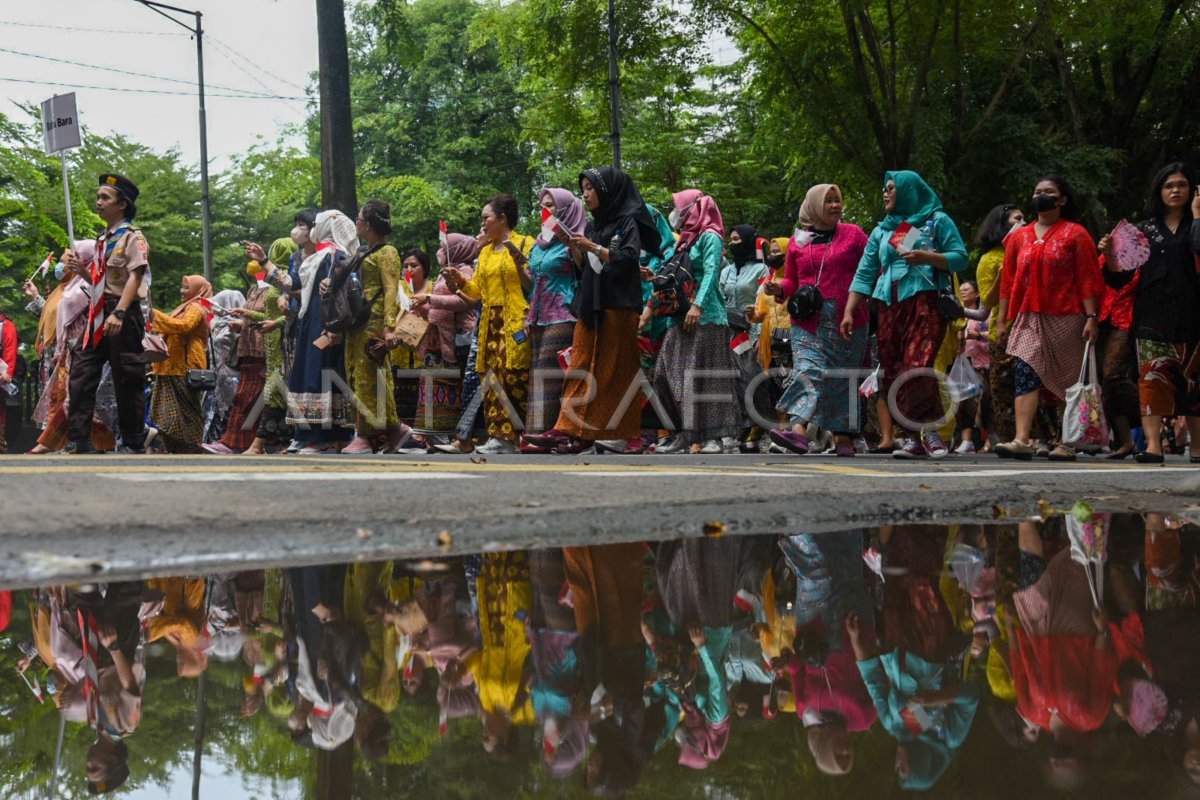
74 297
569 210
698 214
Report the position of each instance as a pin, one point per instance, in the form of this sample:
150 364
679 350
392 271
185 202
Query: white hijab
334 227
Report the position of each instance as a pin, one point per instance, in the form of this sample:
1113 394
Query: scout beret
123 185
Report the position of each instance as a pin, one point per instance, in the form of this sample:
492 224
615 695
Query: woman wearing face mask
694 376
501 281
416 280
175 406
223 338
607 305
828 259
990 239
550 323
740 280
909 257
1050 292
62 319
285 277
370 376
1165 301
319 411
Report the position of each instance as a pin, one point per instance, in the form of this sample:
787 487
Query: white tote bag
1084 426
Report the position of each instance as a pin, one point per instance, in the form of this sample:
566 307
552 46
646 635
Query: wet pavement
136 516
1049 657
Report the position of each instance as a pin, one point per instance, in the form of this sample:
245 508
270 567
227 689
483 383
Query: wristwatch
1092 316
119 314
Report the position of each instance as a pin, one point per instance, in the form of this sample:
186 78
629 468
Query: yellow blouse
186 337
774 316
497 282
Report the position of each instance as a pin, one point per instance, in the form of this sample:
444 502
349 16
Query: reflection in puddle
963 660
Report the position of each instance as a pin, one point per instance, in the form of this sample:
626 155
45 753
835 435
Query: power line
89 30
247 92
232 51
146 91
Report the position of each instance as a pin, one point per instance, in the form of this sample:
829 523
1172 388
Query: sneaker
912 450
776 449
713 447
151 435
496 446
292 448
617 446
674 444
844 450
217 449
77 449
729 444
790 441
934 447
1015 449
636 447
965 448
400 440
358 446
125 450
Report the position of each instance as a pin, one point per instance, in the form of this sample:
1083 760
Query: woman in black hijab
597 404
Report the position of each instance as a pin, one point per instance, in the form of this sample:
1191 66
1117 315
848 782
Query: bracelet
1092 316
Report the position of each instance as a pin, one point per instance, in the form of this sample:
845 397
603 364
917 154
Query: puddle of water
965 661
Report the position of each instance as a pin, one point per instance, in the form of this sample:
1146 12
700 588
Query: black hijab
620 205
743 253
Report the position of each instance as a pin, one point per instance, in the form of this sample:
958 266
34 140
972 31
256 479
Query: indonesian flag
916 719
212 308
443 234
550 225
551 737
44 268
443 719
741 343
905 238
761 249
564 358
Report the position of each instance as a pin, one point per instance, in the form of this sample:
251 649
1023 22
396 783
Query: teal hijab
664 230
927 762
916 201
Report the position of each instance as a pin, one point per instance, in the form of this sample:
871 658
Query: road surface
71 518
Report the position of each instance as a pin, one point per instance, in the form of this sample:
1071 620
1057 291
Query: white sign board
60 123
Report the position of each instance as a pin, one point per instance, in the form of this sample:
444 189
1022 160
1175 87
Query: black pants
123 353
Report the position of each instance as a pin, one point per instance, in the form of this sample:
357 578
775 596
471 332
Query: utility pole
198 32
614 83
337 132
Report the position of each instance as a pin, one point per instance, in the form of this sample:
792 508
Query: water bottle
616 240
355 285
928 236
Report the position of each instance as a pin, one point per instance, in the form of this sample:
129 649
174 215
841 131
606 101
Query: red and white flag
564 358
550 225
41 271
761 249
905 238
443 234
741 343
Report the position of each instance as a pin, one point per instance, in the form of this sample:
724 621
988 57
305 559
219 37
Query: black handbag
949 307
807 300
204 380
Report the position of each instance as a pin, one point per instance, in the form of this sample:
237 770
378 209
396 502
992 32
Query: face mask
802 237
775 260
59 270
299 236
673 219
1044 202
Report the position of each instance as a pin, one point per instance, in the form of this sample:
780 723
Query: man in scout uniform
118 279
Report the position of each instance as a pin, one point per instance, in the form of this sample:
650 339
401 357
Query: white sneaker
965 448
496 446
729 445
713 447
293 447
674 444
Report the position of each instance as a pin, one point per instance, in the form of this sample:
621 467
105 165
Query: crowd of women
606 657
617 329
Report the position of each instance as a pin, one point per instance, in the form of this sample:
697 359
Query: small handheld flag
741 343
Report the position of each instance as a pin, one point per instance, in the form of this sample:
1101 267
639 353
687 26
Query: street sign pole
67 196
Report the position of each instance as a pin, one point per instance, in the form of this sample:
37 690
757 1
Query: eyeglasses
889 188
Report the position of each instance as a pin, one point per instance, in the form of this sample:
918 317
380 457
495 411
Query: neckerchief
99 266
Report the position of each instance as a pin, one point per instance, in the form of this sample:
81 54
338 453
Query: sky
257 46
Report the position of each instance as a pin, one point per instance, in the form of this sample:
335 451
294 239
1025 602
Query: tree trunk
337 132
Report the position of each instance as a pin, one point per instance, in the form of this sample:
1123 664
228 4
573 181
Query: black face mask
775 261
742 252
1044 202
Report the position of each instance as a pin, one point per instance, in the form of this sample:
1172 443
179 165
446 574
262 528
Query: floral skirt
504 415
1169 378
810 396
175 411
910 336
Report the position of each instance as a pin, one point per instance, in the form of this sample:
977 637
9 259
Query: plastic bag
870 387
1084 425
963 381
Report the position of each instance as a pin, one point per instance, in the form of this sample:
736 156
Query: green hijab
281 251
915 200
664 230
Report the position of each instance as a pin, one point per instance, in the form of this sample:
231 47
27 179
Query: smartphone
520 336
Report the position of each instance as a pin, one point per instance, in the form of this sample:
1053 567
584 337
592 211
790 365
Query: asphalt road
68 519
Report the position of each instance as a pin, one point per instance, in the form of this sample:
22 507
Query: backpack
674 287
345 307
